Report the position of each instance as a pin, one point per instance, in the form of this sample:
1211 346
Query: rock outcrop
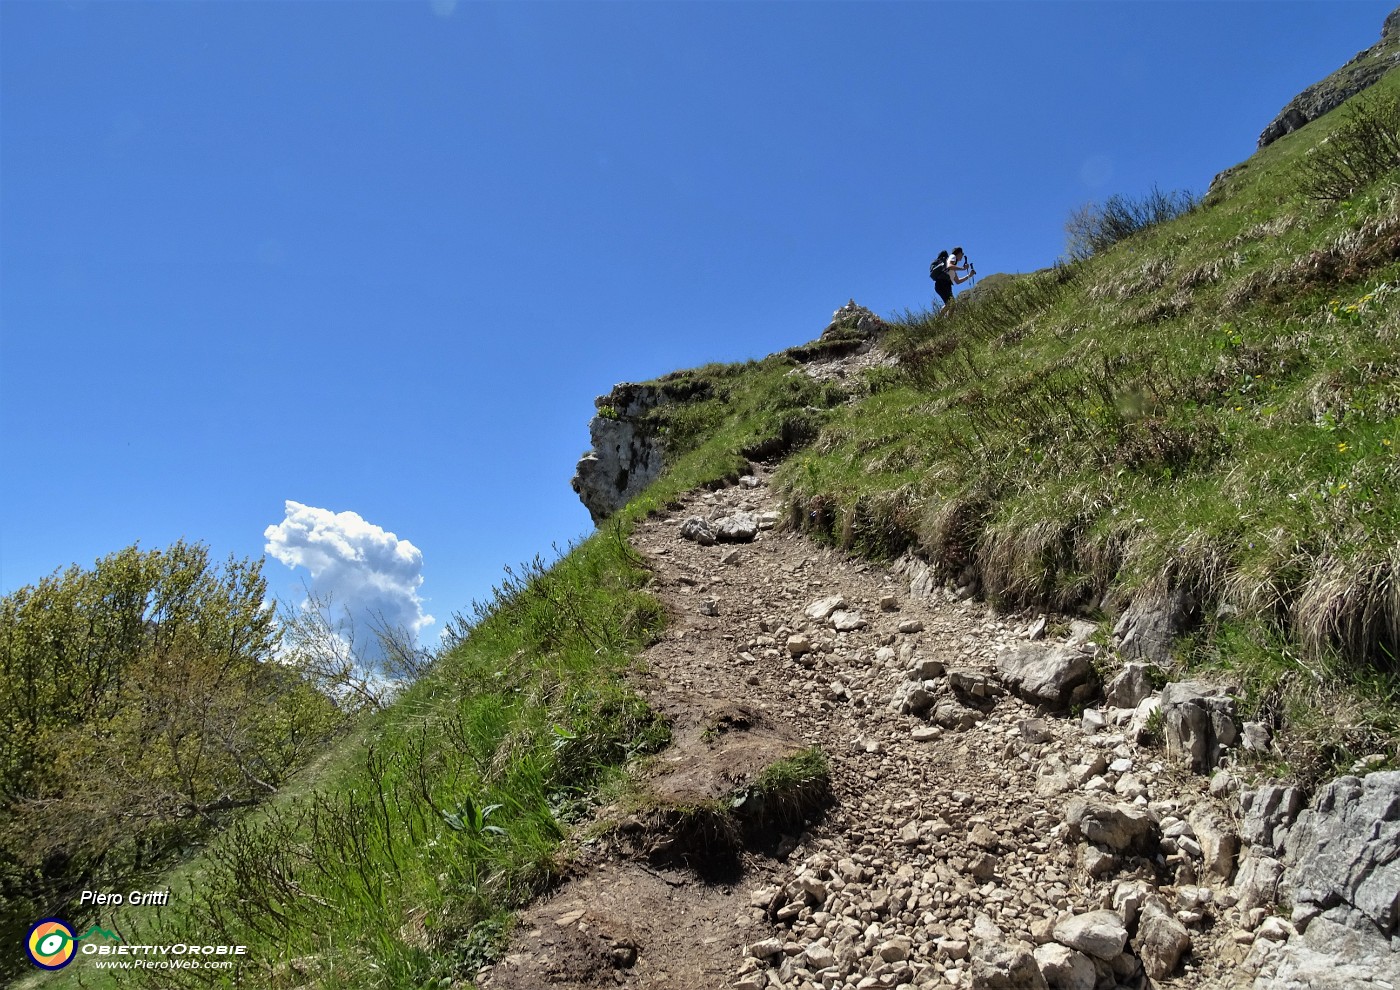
852 330
1346 847
1148 626
1340 867
1361 72
627 454
628 451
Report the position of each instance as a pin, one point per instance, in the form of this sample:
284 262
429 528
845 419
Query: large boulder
1161 939
844 621
1218 838
1064 968
741 527
972 683
1100 934
997 965
913 698
1199 721
823 608
1055 676
698 528
1132 685
953 716
1148 626
1118 826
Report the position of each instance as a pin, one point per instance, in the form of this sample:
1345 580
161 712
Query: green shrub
141 707
1364 148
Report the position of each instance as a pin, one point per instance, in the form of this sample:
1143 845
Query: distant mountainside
1362 71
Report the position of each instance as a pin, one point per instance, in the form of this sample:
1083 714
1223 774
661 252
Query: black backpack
938 270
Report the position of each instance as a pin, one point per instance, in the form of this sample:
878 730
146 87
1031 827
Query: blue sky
377 259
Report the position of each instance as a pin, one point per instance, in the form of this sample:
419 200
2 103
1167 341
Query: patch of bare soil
623 923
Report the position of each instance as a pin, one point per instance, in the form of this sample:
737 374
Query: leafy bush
139 707
1365 147
1095 227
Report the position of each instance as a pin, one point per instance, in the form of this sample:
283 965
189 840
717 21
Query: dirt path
941 838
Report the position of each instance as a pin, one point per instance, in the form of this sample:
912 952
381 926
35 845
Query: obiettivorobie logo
52 945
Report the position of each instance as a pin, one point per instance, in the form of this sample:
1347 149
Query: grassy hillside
397 866
1212 404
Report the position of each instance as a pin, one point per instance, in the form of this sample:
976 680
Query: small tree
324 645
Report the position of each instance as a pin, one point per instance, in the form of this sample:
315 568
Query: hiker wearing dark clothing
945 272
942 283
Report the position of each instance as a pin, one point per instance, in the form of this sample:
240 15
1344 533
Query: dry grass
1271 228
1352 604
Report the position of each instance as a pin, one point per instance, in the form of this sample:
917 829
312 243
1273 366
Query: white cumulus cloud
355 564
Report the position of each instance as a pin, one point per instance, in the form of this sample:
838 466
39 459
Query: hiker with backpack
944 272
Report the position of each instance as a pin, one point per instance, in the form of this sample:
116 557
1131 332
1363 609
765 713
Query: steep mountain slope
1191 441
976 836
1180 453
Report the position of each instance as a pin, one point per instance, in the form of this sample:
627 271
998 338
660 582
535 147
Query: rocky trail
977 834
